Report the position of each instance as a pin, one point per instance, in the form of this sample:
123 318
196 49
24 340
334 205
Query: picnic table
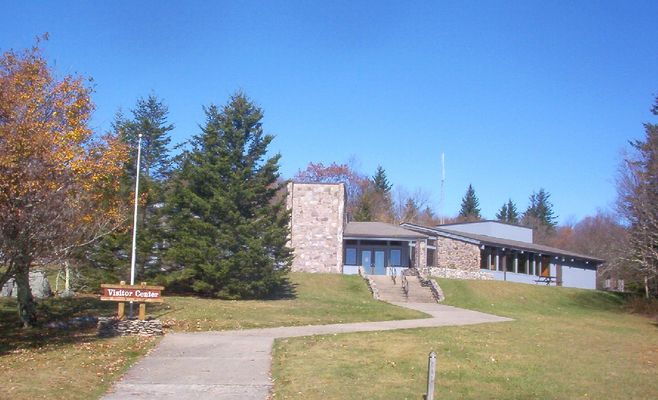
546 279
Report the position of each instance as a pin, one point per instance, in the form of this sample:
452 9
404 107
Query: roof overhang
381 238
483 240
380 231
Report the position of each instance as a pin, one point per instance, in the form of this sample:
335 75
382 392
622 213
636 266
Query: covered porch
380 248
541 267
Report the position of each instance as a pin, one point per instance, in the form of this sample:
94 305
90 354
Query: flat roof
481 221
499 242
380 230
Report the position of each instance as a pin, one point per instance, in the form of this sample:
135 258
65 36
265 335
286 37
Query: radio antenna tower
443 180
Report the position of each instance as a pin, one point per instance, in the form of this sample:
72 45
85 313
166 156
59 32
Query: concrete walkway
236 364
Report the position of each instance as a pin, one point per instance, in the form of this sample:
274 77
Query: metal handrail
405 285
390 270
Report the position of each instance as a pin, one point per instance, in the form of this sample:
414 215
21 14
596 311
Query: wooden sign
138 293
123 293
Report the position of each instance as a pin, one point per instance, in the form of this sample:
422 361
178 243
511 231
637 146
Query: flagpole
134 245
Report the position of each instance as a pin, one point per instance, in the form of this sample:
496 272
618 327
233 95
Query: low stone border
371 284
424 277
436 290
109 327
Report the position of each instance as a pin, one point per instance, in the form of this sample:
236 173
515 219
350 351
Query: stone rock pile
38 285
108 327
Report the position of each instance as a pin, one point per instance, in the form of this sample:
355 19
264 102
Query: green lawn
319 299
44 363
563 344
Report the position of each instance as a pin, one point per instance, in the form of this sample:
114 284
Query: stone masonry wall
317 225
457 255
421 254
460 274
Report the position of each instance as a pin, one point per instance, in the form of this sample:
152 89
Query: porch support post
497 260
516 263
527 264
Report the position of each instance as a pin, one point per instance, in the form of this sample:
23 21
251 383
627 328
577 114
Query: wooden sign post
141 294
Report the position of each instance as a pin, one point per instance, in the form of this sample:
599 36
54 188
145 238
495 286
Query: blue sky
518 95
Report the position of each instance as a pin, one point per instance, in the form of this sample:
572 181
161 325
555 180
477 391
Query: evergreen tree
112 254
539 213
508 213
364 210
381 201
502 214
228 227
470 210
512 212
149 118
381 182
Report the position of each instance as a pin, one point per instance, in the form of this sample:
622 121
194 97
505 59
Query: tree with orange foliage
355 183
58 181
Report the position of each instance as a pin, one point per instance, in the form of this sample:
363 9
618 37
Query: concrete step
393 292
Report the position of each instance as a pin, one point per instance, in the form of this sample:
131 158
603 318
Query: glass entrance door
374 261
366 261
380 267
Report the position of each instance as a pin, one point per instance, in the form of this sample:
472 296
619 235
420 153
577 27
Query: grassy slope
55 364
320 299
563 344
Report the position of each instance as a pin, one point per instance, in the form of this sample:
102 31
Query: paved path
236 364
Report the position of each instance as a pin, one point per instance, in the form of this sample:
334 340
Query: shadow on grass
597 300
287 291
14 337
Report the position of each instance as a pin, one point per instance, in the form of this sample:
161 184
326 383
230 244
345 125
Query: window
395 257
522 263
430 257
412 256
350 256
509 262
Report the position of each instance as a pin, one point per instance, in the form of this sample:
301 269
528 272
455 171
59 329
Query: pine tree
512 212
363 212
228 228
540 214
112 253
502 214
380 196
149 118
381 182
470 210
508 213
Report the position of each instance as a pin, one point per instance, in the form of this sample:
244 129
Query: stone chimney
316 226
